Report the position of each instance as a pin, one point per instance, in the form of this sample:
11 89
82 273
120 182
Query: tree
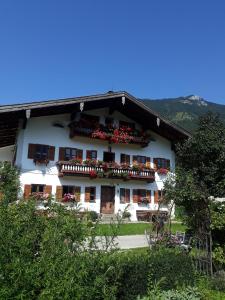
200 177
9 182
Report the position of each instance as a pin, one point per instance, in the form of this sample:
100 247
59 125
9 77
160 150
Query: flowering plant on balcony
93 174
76 161
90 162
68 197
162 171
100 134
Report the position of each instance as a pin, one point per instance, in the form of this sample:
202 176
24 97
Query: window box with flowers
162 171
68 198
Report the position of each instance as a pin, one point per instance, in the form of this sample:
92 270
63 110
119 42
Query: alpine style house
104 151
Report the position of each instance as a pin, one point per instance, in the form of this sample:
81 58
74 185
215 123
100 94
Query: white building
108 150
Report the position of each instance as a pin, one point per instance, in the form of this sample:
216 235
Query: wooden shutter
127 195
27 191
156 197
87 194
135 196
148 162
61 153
48 189
31 151
168 164
155 162
148 195
77 190
59 193
134 159
51 153
88 154
79 154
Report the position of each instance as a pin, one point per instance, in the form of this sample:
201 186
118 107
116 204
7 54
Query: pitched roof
133 108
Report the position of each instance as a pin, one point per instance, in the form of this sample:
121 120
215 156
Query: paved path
126 241
132 241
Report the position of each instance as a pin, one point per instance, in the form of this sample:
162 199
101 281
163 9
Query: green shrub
174 266
218 280
93 215
188 293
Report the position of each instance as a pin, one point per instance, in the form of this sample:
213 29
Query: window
138 159
73 190
91 155
162 163
37 188
124 195
127 124
141 196
70 153
41 152
125 159
90 194
109 122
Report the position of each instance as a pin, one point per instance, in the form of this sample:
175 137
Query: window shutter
134 159
27 191
87 194
79 154
31 150
77 190
61 153
168 164
127 196
135 196
155 162
59 193
148 195
156 197
51 153
148 163
48 189
88 154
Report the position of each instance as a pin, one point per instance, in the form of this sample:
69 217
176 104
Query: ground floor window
71 192
141 196
37 188
124 195
90 193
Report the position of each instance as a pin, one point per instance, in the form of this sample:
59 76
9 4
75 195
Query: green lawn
134 228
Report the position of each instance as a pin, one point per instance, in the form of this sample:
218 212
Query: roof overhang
131 107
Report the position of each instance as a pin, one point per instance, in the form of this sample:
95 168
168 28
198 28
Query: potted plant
162 171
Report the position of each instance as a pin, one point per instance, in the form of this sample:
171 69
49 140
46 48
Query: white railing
83 169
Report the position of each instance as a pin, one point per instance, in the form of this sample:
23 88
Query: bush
218 281
47 257
93 215
188 293
174 266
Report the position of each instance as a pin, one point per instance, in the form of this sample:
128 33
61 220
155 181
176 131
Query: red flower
93 174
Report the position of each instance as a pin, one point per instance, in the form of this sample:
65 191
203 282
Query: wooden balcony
117 135
72 169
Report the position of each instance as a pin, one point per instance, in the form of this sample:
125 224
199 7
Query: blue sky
162 48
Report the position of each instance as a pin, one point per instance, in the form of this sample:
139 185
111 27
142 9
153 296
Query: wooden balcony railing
72 169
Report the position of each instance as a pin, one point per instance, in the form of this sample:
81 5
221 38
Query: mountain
184 111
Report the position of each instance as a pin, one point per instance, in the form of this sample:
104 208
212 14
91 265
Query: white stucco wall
41 131
6 153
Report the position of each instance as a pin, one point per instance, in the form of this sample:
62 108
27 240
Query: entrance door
107 199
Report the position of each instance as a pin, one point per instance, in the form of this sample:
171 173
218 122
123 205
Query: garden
54 253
